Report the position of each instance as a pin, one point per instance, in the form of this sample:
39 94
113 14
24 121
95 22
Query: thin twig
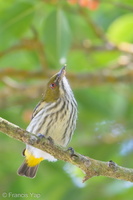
97 30
120 5
78 80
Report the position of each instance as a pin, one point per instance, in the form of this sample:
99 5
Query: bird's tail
30 165
28 171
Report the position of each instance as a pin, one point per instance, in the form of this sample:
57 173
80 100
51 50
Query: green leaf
16 22
121 30
57 36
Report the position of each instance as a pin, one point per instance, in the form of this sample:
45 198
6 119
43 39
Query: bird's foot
72 153
51 141
41 136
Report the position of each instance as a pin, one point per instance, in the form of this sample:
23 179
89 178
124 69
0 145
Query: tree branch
120 5
78 80
88 165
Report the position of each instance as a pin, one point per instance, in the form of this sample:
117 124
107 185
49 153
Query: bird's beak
62 72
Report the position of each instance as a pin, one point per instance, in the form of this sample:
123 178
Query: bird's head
56 86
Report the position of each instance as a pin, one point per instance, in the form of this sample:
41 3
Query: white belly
55 126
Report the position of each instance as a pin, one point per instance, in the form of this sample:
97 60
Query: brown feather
25 170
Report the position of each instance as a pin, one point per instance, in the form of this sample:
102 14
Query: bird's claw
51 141
72 152
40 135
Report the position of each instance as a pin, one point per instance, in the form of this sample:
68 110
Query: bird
54 116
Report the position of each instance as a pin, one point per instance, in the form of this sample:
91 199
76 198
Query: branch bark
88 165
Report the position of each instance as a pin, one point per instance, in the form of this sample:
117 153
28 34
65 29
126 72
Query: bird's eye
53 85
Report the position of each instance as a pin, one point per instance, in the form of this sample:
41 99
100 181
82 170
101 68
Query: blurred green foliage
104 126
